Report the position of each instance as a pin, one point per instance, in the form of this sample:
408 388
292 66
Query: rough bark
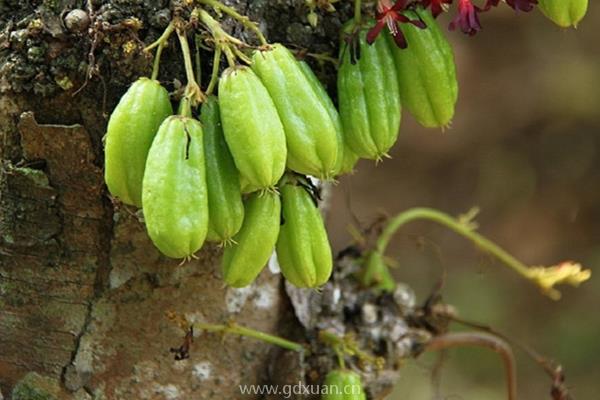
83 293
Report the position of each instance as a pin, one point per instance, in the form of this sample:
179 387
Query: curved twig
481 339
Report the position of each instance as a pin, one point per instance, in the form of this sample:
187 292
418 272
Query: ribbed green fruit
312 134
342 384
369 97
253 130
303 249
225 207
131 128
564 13
174 195
426 72
254 243
346 159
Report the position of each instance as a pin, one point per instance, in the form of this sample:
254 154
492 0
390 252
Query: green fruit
225 207
174 189
131 128
247 187
342 384
303 249
564 13
369 97
254 243
312 135
252 127
426 72
346 158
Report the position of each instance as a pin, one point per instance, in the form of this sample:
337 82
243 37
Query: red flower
391 15
519 5
467 18
437 6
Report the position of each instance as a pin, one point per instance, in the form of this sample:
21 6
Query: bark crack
71 378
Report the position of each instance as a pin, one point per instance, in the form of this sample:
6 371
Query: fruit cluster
240 175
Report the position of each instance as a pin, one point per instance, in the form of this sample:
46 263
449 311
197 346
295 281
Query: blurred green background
524 147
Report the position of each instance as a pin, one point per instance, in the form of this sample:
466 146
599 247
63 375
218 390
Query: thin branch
481 339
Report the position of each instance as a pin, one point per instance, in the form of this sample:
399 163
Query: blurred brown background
525 148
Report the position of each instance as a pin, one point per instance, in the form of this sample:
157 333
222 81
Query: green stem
323 58
222 39
357 12
214 78
161 42
454 225
229 56
244 20
156 66
252 333
192 90
346 345
239 54
185 107
198 61
163 38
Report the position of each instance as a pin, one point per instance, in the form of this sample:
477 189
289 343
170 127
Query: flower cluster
390 14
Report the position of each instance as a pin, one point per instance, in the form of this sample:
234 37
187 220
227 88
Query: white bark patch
235 299
202 371
180 365
171 392
265 297
119 276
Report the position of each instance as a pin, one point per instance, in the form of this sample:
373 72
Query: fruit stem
185 110
192 90
236 329
346 345
244 20
198 60
222 39
161 42
545 278
357 12
163 38
481 339
215 71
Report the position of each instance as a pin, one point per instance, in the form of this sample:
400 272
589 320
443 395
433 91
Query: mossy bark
83 293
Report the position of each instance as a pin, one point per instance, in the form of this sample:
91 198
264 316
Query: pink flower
467 18
437 6
519 5
391 15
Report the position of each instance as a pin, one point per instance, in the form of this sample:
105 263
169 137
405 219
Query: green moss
10 294
35 387
37 177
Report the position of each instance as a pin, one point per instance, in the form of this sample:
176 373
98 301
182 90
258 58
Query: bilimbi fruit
426 71
346 159
303 249
225 207
564 13
369 95
343 384
253 130
312 134
174 195
253 245
131 129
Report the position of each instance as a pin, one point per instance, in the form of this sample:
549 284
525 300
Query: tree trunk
83 292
